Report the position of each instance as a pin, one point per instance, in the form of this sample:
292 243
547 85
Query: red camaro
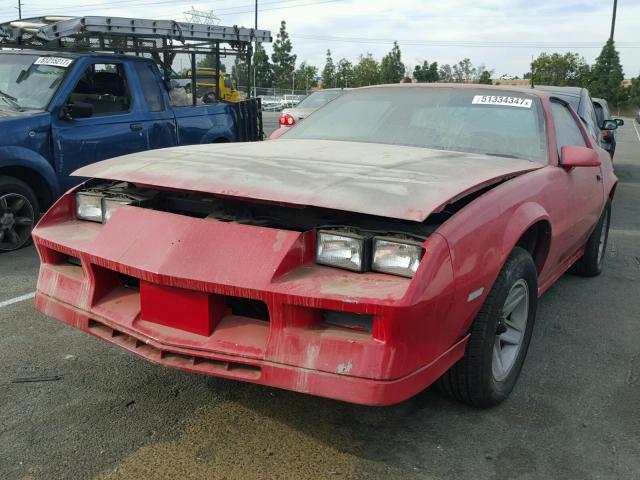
398 236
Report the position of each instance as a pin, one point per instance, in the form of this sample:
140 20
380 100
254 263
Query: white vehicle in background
271 103
290 116
507 77
289 101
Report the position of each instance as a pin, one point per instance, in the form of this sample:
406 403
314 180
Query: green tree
329 72
634 92
559 70
263 67
209 61
391 68
485 78
464 71
344 74
239 72
283 61
605 80
445 74
306 76
426 72
366 72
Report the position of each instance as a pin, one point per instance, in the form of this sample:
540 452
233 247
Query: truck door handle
598 178
136 127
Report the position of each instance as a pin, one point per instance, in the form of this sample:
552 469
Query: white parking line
636 129
21 298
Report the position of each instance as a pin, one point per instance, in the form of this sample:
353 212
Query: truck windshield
475 120
27 82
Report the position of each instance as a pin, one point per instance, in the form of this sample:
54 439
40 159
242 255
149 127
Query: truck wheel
592 262
18 207
500 337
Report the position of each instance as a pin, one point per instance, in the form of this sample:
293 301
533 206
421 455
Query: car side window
103 86
567 130
591 120
599 113
150 87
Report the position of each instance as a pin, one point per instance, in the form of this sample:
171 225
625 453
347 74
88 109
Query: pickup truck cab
61 111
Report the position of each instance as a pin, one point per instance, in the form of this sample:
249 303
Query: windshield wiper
504 155
11 100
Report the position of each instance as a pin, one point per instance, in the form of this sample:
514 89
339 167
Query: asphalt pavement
94 411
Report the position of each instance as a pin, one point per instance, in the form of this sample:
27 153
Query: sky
504 35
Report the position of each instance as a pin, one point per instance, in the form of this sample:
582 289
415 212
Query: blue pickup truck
76 90
60 111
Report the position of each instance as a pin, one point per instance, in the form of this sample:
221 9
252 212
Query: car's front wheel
18 213
499 337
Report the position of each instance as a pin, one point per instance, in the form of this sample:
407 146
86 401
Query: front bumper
339 387
176 315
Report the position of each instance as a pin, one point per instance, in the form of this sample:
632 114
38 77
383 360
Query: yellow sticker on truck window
502 101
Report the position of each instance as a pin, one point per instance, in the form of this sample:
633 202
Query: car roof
601 102
577 91
574 96
508 88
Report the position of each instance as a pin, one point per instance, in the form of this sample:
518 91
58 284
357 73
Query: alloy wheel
511 330
16 221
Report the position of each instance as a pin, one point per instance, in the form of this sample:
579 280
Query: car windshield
318 99
495 122
27 82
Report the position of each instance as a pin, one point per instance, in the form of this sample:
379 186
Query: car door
114 128
583 185
160 123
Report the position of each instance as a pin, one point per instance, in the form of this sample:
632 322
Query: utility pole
255 86
20 9
613 20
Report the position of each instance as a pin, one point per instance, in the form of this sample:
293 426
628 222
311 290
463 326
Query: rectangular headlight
343 250
399 257
89 205
110 203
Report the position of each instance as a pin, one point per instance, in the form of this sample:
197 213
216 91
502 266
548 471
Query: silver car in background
290 116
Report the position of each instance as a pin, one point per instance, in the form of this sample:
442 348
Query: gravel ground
98 412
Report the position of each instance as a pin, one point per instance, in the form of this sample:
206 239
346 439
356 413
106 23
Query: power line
77 10
459 43
613 19
235 10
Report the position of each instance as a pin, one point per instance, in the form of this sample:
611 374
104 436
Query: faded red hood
393 181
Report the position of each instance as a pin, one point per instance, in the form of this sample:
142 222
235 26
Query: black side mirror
619 121
77 110
609 125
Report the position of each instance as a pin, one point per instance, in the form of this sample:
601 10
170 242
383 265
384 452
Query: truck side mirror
619 121
609 125
77 110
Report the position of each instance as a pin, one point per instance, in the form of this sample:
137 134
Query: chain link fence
276 99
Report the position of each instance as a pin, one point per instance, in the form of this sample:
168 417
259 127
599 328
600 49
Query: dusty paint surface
387 180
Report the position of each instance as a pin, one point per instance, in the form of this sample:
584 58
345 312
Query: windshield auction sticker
54 61
502 101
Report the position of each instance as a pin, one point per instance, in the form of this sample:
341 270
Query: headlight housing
343 250
97 203
89 205
398 257
363 252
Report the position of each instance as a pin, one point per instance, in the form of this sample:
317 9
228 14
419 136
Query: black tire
18 213
473 380
591 263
